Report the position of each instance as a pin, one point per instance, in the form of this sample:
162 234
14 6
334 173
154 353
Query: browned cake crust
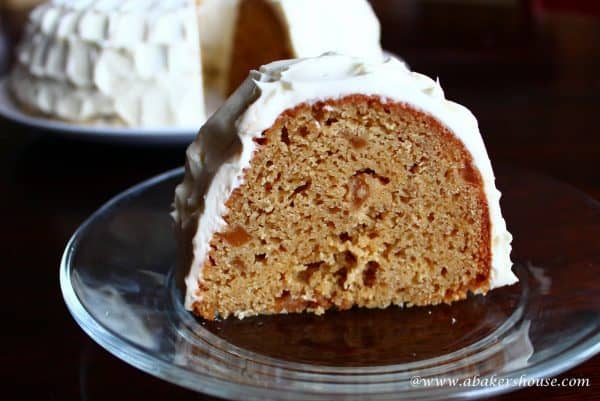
350 202
259 38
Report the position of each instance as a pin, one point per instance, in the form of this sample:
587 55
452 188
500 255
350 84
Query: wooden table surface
529 74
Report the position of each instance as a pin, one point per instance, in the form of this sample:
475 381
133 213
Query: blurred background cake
130 62
140 63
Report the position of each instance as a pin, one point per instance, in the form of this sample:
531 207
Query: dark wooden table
531 77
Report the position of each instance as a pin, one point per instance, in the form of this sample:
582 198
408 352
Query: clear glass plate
116 279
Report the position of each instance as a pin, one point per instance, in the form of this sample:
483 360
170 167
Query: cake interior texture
353 201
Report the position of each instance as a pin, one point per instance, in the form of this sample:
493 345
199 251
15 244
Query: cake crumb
360 227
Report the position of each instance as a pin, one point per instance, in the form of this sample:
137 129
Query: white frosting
342 26
133 62
224 146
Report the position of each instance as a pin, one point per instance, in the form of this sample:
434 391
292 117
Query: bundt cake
140 63
335 181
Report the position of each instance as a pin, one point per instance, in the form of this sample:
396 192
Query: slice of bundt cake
333 182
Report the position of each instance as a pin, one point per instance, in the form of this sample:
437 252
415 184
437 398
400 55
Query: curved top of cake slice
137 62
226 144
